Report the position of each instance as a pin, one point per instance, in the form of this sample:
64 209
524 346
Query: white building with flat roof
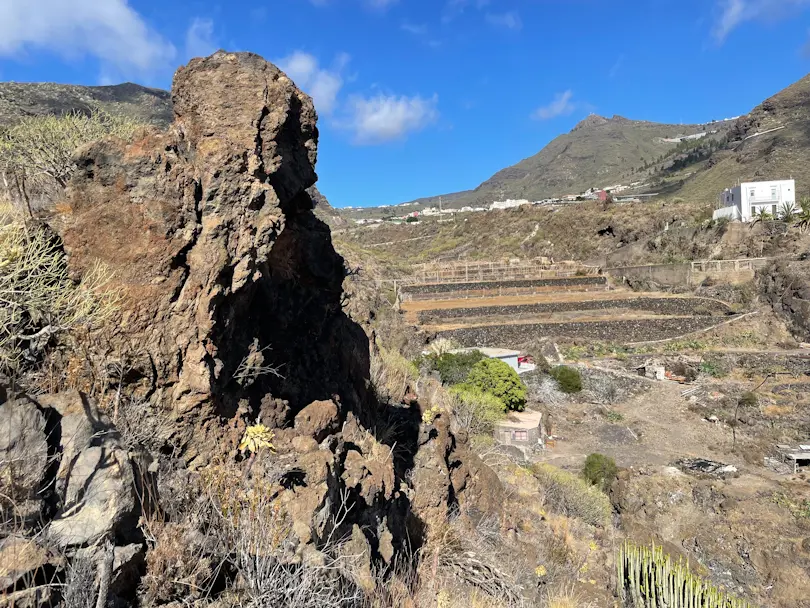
745 201
511 357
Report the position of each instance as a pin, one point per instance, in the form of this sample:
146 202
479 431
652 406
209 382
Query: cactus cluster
646 578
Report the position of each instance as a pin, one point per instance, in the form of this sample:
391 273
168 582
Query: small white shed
509 357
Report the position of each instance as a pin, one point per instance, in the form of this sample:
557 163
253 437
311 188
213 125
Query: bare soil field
580 316
607 313
537 298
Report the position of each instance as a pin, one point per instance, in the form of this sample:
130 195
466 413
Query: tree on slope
497 378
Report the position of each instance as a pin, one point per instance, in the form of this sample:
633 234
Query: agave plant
787 213
257 437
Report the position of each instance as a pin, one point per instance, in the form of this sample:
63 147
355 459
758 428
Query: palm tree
803 216
761 215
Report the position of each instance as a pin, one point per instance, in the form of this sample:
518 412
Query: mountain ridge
597 152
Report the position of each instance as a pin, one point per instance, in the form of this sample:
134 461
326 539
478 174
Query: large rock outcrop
231 311
231 287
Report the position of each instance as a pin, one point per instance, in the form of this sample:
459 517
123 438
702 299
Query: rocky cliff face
231 313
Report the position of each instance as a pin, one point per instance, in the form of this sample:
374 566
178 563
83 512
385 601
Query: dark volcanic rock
231 309
209 231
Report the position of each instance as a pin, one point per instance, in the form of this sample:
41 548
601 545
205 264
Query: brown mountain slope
771 142
598 152
19 99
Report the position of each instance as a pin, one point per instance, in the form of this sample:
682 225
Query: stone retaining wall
761 362
663 306
690 274
786 287
606 331
413 291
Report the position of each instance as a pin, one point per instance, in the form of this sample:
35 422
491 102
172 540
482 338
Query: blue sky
424 97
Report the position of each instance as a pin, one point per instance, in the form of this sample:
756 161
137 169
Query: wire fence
465 272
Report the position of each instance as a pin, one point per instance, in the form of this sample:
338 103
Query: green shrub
497 378
572 496
44 145
475 410
568 379
715 369
600 471
749 399
455 367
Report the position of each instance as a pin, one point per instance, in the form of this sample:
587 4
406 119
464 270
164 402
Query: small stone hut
522 429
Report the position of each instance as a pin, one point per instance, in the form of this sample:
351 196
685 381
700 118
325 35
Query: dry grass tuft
391 374
569 495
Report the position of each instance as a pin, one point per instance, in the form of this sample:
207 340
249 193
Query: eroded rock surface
231 287
231 313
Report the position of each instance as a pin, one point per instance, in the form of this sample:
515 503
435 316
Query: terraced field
515 312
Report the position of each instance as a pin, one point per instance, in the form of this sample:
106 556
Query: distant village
592 194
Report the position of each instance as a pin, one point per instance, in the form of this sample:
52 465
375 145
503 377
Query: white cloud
421 31
323 85
736 12
373 4
200 38
510 20
455 8
560 106
111 31
414 28
386 118
381 4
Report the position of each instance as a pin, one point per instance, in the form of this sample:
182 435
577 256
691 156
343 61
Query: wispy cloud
380 4
417 29
509 20
455 8
372 4
110 31
616 67
562 105
323 85
422 32
385 118
733 13
200 38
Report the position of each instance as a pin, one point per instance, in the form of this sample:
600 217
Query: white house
744 201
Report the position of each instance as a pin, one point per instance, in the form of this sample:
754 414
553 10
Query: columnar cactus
646 578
